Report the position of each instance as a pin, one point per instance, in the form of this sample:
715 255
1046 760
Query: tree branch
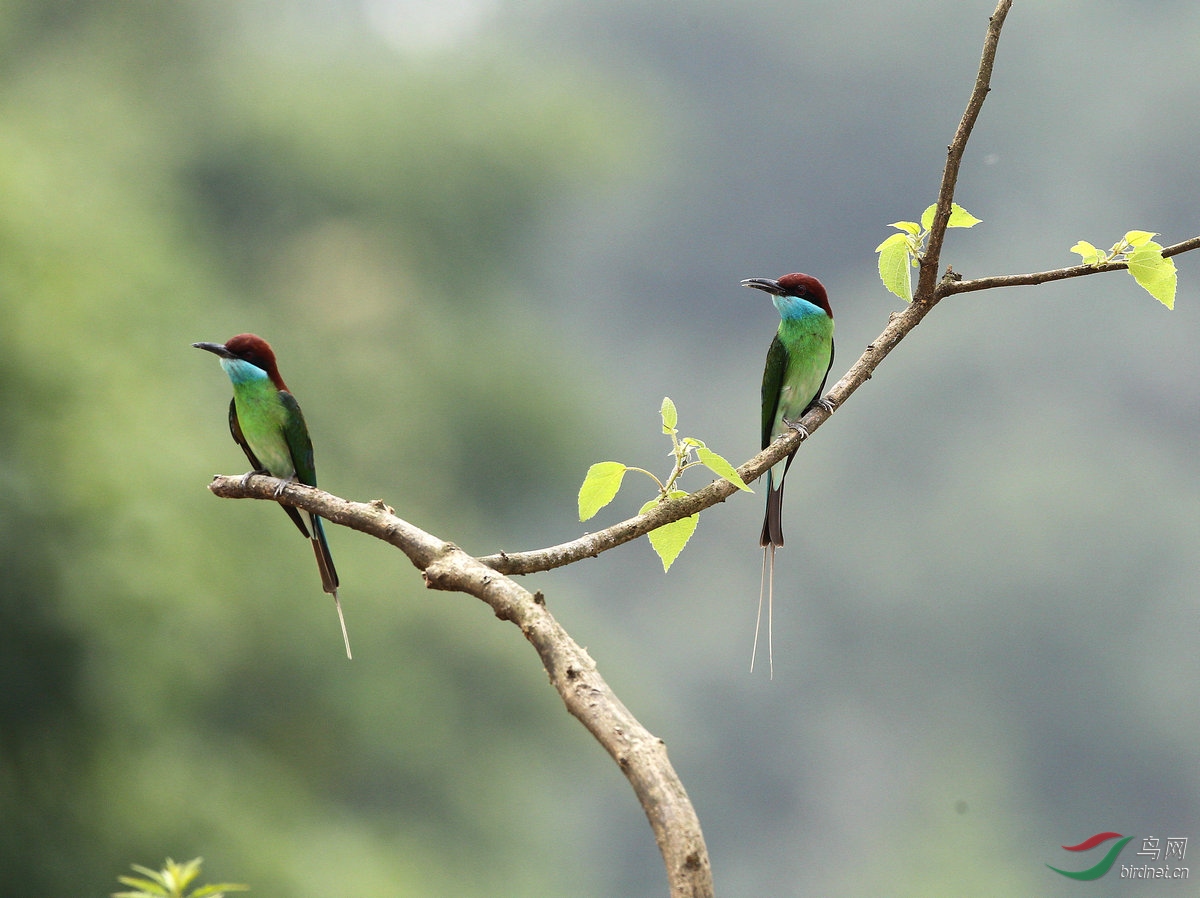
1181 247
899 326
949 287
641 756
954 153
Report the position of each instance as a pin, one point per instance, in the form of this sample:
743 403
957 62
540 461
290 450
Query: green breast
809 344
263 419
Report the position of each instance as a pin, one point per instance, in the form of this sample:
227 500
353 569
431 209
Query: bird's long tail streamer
329 577
769 583
342 620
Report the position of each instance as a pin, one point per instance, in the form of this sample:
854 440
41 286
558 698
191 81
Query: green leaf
1091 255
910 227
184 873
893 266
599 487
961 218
1154 274
721 467
668 540
1139 238
153 874
670 417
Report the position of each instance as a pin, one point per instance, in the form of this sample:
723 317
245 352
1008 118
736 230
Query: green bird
798 363
267 423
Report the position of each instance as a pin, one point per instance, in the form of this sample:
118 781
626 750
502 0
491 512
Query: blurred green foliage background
485 240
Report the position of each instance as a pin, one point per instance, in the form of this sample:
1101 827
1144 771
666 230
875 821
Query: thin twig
950 287
1181 247
927 276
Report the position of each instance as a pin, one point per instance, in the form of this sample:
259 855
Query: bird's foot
279 489
246 477
826 404
798 427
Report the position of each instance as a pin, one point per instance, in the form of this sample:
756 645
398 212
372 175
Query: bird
798 363
267 423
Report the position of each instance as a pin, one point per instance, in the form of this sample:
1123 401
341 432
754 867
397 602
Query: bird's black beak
765 284
217 348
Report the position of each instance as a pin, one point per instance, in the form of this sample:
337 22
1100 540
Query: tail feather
296 519
342 620
768 581
329 577
771 539
772 532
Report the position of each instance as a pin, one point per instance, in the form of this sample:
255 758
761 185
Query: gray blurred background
486 238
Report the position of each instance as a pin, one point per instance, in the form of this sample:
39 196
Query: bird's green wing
828 368
772 384
299 444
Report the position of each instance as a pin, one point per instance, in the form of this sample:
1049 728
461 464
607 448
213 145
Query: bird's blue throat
792 307
241 371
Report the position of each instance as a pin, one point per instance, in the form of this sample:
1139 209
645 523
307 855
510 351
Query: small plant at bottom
172 881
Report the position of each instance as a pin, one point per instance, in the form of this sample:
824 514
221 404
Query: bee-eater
797 364
267 423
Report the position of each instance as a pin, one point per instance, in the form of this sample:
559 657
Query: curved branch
641 756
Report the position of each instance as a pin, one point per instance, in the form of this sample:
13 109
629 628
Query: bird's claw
245 479
798 427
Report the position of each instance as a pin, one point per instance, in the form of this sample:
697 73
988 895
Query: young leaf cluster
902 252
172 881
604 479
1145 261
